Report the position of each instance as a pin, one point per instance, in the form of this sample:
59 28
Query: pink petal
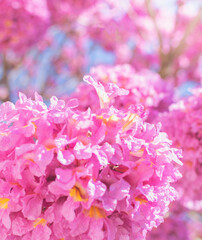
65 157
32 205
79 225
95 229
82 151
41 233
68 209
21 226
119 190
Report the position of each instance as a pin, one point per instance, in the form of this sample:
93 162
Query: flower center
129 120
95 212
78 193
4 203
39 221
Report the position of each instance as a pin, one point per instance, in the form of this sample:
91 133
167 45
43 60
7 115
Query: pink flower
18 21
180 224
124 86
183 125
70 174
64 11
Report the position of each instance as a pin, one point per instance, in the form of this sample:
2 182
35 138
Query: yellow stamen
50 144
4 203
39 221
29 157
104 99
95 212
139 153
112 118
141 200
78 193
129 120
5 134
35 127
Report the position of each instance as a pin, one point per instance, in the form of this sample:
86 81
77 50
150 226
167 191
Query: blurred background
48 46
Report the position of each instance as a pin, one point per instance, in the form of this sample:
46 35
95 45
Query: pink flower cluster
70 174
65 12
22 23
106 18
183 124
148 36
144 87
178 225
173 228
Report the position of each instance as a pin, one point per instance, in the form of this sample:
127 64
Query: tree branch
152 15
4 79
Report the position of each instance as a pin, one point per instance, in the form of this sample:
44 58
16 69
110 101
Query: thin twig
153 17
4 79
189 29
168 59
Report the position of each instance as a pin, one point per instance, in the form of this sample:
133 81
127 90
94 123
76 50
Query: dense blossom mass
183 124
70 174
22 23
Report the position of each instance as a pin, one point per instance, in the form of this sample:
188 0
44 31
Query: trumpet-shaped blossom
70 174
183 124
144 87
